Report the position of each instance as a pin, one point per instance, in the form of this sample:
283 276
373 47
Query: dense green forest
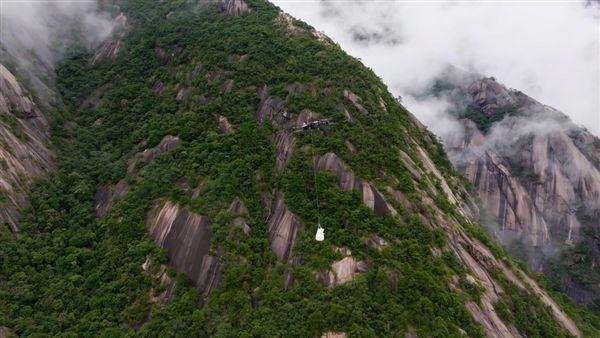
71 274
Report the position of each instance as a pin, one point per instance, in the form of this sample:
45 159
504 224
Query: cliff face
24 155
535 170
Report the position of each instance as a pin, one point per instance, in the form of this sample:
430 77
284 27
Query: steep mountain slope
24 155
537 172
185 207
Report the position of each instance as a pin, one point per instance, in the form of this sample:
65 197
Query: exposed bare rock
237 208
198 99
5 332
196 191
224 125
411 333
416 121
23 155
283 227
237 58
340 107
216 75
480 260
227 86
437 253
286 22
321 37
350 147
347 181
164 280
333 335
187 237
563 174
159 87
354 99
195 72
183 92
410 166
163 56
399 196
234 8
102 200
183 183
344 270
376 242
107 52
169 15
121 190
299 88
487 317
167 143
268 107
285 145
488 95
326 93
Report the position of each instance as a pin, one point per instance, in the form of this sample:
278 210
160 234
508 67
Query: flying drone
320 124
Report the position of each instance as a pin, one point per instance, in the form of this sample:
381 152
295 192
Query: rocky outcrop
107 52
348 181
333 335
187 237
237 58
226 88
183 92
103 198
488 95
299 88
167 143
344 270
233 8
286 21
237 208
354 100
481 261
283 226
555 177
223 123
24 156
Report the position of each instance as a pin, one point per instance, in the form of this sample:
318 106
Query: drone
312 125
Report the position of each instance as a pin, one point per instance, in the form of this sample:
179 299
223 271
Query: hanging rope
312 143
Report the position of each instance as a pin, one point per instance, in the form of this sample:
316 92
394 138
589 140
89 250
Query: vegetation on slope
71 274
569 266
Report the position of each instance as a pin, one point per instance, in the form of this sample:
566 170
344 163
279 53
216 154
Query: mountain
537 172
184 205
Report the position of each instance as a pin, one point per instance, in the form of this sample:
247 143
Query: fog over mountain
549 50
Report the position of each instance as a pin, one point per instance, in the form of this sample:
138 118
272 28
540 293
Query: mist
45 28
548 50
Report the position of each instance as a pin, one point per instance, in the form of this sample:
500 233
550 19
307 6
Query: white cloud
548 50
37 25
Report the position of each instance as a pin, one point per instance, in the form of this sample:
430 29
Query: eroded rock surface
234 8
347 181
23 155
488 95
283 227
187 237
237 208
107 52
354 99
224 125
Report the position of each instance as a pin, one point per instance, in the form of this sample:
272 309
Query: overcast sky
548 50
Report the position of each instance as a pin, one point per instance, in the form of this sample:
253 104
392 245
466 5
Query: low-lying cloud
548 50
45 27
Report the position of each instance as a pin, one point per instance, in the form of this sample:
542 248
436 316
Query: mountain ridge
185 207
534 169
